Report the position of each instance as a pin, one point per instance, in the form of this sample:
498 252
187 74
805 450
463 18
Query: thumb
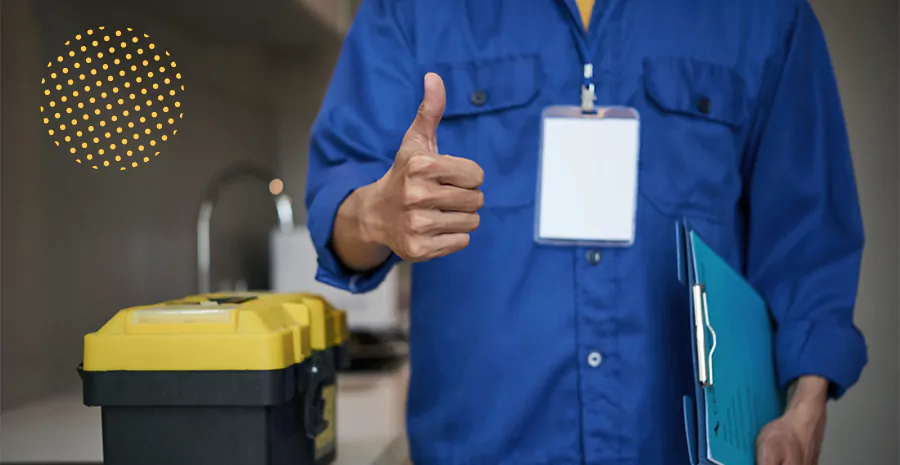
431 109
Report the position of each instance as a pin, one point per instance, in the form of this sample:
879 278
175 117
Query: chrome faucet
282 207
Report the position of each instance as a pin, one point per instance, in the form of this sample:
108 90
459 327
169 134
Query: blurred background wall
79 245
863 39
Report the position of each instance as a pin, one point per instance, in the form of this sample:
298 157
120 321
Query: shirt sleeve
371 100
804 231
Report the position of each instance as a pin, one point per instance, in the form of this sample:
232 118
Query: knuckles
416 249
415 196
419 165
415 191
419 223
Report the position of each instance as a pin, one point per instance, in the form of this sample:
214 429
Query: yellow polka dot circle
112 100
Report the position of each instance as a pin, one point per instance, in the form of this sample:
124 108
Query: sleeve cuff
832 351
322 211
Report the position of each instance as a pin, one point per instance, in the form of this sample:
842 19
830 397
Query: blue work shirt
528 354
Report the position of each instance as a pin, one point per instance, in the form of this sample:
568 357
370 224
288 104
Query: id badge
587 176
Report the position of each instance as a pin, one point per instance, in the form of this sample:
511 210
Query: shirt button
595 359
478 98
704 105
593 257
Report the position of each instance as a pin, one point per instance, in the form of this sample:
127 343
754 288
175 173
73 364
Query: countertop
61 430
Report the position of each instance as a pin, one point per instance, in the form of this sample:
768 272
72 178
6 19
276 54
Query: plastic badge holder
587 177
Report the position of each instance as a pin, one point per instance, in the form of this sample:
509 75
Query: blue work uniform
528 354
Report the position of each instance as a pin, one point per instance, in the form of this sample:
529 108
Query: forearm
350 239
808 393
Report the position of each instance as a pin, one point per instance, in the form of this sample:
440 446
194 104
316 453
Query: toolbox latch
235 299
314 417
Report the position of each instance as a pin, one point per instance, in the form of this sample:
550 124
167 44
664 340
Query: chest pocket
493 119
692 118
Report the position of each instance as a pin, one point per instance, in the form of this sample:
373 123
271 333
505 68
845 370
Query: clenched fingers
434 222
455 199
422 248
459 172
446 244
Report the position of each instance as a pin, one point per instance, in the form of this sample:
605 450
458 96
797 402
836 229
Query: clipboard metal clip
701 325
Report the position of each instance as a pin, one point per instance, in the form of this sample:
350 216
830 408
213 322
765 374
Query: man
524 353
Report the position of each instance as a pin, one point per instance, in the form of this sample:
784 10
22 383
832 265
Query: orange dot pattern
115 60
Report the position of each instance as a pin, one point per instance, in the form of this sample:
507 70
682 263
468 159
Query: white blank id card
587 184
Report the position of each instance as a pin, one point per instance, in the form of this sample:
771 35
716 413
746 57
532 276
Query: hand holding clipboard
736 391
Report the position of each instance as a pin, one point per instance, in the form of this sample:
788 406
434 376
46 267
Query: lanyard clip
588 98
587 90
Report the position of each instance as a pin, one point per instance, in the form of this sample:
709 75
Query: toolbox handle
314 417
81 370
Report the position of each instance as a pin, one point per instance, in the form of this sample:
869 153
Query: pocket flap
476 87
696 88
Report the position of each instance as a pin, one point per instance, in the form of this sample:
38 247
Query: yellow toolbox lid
321 321
248 331
328 325
341 331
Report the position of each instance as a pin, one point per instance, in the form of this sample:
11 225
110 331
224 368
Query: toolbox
219 379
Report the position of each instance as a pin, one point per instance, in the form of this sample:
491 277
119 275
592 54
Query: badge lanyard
588 90
588 168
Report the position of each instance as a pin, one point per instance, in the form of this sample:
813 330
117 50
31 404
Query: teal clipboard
736 392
